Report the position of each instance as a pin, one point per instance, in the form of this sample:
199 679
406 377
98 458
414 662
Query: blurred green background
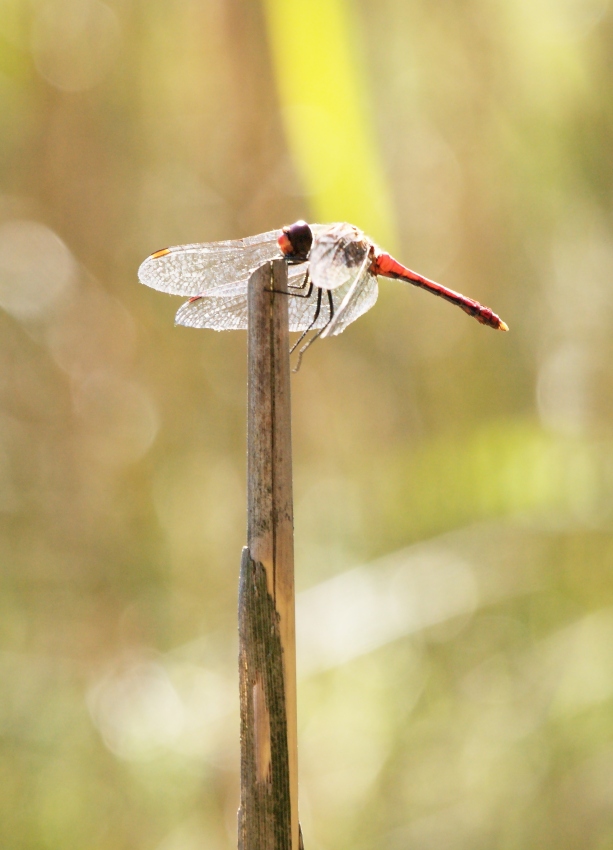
453 486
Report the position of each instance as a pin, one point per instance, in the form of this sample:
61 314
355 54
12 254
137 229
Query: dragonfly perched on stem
332 279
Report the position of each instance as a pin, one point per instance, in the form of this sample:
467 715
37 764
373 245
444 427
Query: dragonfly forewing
201 267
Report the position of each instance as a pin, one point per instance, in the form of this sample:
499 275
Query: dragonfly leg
315 317
302 285
319 332
306 282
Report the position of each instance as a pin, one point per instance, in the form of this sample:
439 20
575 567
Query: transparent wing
338 252
198 268
230 314
229 311
225 308
302 310
217 313
358 297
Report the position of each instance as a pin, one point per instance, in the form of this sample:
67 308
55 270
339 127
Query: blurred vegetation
460 695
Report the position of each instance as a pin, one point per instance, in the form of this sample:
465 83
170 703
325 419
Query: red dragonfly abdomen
387 266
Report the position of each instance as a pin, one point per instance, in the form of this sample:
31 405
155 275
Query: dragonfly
332 279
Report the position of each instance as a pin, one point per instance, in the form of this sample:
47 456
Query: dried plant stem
268 816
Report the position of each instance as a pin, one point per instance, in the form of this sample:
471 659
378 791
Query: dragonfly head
295 241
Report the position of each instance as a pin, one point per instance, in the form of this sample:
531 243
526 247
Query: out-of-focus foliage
322 95
453 486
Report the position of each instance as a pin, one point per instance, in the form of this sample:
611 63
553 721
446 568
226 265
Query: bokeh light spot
137 710
75 43
35 268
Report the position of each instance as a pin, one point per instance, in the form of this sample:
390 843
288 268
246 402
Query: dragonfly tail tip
503 326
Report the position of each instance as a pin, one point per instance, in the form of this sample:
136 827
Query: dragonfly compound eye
296 241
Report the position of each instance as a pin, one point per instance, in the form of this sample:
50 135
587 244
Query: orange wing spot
194 298
161 253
